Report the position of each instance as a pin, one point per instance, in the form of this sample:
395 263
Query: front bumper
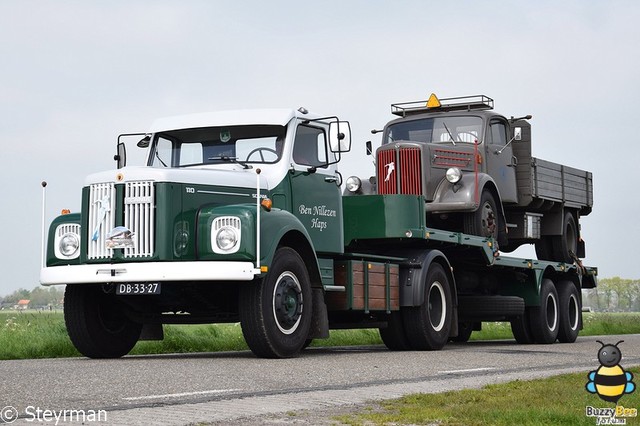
148 272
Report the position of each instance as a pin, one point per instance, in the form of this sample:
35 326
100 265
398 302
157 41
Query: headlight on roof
454 175
353 184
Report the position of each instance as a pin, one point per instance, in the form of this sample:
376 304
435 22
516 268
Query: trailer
238 216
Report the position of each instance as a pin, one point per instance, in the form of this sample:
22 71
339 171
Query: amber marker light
267 204
65 211
264 269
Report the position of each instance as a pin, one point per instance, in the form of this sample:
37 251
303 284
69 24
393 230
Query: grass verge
560 400
25 335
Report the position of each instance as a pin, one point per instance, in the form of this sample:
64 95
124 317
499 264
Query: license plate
138 289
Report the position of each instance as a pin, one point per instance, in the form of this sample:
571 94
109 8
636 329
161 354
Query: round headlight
454 175
353 183
69 244
226 238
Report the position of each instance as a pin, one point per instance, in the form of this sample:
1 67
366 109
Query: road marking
179 395
469 370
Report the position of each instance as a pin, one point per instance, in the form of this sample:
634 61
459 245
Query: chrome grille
102 209
139 215
139 218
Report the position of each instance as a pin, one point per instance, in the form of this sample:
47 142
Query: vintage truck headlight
225 234
454 175
353 184
67 241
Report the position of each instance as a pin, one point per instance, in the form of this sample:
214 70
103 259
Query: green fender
278 227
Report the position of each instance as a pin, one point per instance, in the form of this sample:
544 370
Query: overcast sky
75 74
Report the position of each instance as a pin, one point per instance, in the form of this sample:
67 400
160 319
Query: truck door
500 160
316 198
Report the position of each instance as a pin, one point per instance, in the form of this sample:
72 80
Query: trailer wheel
97 324
569 300
275 313
567 243
393 336
521 328
427 326
484 221
545 319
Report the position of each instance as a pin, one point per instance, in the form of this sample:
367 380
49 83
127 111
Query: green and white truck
238 216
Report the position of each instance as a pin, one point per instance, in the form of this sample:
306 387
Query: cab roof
280 116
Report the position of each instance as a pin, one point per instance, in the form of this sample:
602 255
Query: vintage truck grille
139 217
400 171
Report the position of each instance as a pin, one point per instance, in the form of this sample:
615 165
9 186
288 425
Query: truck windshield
437 130
215 145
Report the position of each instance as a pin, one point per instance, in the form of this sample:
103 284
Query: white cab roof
227 118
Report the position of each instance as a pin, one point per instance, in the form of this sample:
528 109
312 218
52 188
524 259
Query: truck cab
221 200
475 170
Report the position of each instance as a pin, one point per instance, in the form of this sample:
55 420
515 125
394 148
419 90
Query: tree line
39 297
613 295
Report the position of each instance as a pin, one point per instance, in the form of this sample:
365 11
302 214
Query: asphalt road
224 387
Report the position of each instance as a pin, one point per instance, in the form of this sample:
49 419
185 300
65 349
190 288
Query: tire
393 336
484 221
427 326
275 312
521 329
570 310
464 332
545 319
567 243
97 324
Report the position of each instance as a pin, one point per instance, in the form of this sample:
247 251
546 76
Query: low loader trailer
238 216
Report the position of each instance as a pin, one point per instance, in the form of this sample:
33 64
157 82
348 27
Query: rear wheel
545 319
569 300
96 322
427 326
275 313
565 246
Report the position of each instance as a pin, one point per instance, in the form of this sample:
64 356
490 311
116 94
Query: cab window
310 146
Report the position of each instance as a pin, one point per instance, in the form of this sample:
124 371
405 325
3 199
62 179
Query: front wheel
484 221
427 326
275 313
96 322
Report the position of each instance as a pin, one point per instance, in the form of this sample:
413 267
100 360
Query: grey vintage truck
475 170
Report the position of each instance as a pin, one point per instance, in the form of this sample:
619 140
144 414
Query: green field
35 334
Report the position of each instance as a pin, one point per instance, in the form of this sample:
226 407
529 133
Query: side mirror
121 156
517 133
339 136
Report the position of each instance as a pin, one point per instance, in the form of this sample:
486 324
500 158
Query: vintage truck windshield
216 145
437 130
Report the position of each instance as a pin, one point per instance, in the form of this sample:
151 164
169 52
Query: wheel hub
287 303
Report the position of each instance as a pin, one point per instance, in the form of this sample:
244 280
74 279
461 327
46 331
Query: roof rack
461 103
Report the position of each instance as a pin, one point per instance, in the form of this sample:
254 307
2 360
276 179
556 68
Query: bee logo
610 381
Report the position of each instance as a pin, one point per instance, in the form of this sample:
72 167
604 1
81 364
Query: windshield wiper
450 135
231 160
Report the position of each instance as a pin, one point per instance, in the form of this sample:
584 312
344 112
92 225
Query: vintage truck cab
475 170
219 197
